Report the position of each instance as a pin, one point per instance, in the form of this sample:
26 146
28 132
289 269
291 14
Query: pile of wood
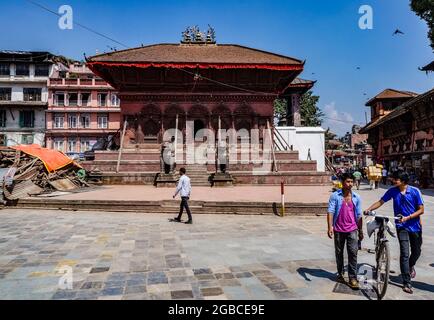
26 176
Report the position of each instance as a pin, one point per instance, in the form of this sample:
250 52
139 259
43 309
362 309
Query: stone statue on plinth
167 177
222 178
140 137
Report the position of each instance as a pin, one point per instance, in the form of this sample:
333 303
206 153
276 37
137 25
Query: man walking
357 177
184 189
344 221
407 202
384 174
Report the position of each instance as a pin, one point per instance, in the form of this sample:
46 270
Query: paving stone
219 276
135 290
92 285
64 295
112 291
277 286
207 292
203 271
181 294
99 269
243 275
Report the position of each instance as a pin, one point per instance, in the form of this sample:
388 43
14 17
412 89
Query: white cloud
338 122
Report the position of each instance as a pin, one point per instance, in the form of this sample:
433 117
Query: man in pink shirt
344 222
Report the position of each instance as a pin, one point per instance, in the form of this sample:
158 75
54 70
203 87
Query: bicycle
378 226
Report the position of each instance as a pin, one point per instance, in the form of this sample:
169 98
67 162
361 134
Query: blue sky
324 33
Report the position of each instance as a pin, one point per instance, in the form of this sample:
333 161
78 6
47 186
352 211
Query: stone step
172 207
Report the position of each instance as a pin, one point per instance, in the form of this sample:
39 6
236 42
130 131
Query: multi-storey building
82 108
23 96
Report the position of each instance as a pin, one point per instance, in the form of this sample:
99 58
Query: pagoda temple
205 84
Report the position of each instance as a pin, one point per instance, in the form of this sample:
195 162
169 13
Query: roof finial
193 35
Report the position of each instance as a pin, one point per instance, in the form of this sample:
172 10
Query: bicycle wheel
383 269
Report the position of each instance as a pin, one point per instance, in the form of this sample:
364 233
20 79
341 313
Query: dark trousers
407 241
352 240
184 204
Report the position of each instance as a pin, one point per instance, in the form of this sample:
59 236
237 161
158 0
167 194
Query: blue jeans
407 241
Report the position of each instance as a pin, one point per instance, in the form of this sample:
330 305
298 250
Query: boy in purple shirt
344 222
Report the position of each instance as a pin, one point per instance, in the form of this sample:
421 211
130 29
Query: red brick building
403 136
82 108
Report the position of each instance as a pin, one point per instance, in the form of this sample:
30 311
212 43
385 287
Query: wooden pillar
296 110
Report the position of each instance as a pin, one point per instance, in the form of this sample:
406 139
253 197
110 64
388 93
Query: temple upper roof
197 53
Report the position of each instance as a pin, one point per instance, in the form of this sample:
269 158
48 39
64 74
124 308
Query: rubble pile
26 175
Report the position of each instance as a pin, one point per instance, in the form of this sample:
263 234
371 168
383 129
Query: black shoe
177 220
189 222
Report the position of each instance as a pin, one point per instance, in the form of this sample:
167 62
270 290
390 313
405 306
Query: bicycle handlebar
374 214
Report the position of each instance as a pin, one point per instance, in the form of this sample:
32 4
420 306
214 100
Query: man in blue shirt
408 202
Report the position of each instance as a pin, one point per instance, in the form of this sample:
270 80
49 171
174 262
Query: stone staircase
198 174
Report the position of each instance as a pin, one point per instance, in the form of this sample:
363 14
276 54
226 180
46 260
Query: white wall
305 138
13 120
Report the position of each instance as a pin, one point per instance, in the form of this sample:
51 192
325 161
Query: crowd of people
420 179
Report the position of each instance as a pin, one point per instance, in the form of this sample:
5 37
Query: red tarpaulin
53 160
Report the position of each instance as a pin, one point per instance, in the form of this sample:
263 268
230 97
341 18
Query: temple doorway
198 125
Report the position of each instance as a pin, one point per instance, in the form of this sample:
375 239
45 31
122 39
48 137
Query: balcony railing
78 82
32 97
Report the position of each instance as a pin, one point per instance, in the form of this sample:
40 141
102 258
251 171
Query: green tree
280 109
311 115
425 10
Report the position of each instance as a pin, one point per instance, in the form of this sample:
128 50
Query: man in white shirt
184 189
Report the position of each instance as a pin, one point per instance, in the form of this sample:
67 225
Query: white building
308 141
24 96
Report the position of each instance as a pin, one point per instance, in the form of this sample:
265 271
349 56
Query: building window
73 99
2 118
115 102
85 120
32 94
102 99
58 144
85 99
42 70
27 139
3 140
5 69
84 145
27 119
59 99
5 94
103 121
58 121
22 69
72 121
72 145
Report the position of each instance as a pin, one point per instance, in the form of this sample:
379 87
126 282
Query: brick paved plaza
137 256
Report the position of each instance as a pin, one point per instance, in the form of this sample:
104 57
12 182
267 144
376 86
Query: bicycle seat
375 224
381 219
